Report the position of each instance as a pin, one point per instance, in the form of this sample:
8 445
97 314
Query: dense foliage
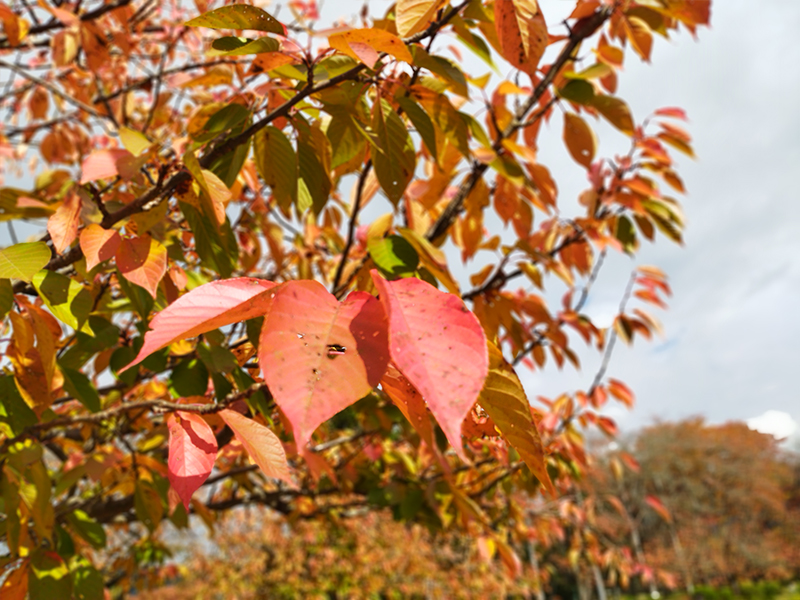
210 309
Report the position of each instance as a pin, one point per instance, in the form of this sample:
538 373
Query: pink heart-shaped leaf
439 346
320 355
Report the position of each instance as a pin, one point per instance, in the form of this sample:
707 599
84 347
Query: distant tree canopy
211 322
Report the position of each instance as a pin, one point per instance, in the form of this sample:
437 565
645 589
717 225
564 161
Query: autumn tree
210 309
710 503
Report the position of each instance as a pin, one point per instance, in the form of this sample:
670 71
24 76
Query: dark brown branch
351 228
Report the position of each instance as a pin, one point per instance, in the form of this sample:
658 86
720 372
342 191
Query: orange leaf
580 139
103 164
206 308
143 261
98 244
409 401
261 444
621 392
522 32
376 39
63 224
15 585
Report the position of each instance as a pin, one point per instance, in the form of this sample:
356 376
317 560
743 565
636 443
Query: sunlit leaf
98 244
263 446
503 397
68 300
192 452
353 43
439 346
206 308
22 261
522 32
318 355
238 16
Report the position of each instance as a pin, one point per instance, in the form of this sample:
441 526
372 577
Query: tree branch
449 214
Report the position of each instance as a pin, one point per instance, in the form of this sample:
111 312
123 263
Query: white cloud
777 423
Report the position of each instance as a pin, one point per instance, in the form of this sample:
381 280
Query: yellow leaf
503 397
413 16
357 43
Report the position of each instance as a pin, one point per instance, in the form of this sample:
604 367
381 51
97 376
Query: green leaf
15 414
239 46
141 300
225 119
6 297
345 136
79 386
626 234
89 529
421 122
218 359
313 159
443 68
577 91
49 576
276 162
88 582
238 16
189 378
23 261
393 255
395 159
68 300
217 250
147 504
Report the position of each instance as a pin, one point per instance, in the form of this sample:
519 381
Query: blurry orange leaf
579 139
63 224
353 43
143 261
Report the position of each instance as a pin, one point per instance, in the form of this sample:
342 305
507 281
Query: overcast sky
732 341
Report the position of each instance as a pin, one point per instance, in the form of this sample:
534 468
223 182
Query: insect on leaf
319 355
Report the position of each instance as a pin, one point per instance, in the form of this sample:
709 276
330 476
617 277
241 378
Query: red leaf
657 506
192 452
677 113
206 308
439 346
102 164
143 261
319 355
63 224
261 444
621 392
98 244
